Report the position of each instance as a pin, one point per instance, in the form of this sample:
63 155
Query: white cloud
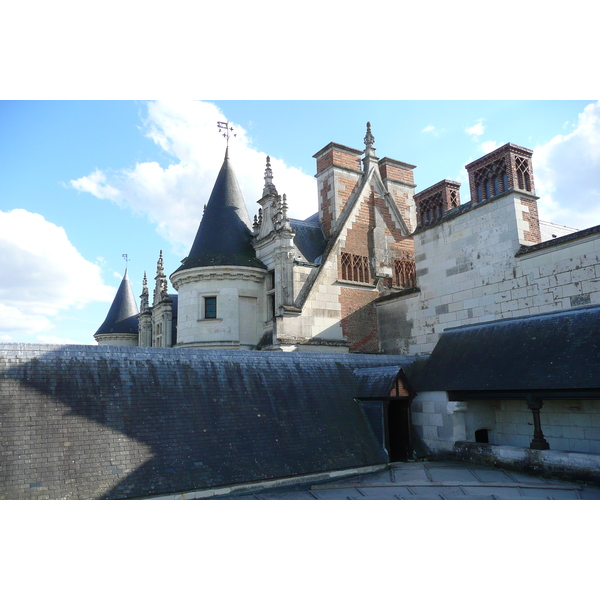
476 130
43 275
567 173
433 130
173 197
488 146
96 184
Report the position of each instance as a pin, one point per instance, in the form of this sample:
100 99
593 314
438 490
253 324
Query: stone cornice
115 336
216 273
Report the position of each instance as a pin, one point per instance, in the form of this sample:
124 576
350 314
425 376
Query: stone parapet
551 463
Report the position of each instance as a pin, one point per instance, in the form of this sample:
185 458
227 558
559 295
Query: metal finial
126 257
225 129
369 139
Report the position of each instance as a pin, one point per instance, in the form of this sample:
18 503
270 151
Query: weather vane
126 257
225 127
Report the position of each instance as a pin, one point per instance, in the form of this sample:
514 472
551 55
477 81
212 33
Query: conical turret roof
122 316
225 233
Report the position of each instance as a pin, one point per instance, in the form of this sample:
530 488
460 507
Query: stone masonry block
592 433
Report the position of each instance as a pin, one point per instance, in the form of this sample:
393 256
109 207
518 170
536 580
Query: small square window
210 307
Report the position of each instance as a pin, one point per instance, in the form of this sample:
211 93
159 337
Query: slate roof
376 382
122 422
309 238
225 232
552 351
122 315
563 239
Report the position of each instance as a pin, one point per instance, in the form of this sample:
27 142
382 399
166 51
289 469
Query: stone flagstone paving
436 481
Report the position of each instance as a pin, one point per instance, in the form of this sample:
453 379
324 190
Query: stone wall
470 269
568 425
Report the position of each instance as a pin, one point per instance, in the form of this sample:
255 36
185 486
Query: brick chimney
434 202
507 168
338 173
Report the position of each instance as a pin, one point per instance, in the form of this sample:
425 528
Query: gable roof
353 205
122 315
225 232
376 382
559 350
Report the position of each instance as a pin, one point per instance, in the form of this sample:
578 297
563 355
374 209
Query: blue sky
83 182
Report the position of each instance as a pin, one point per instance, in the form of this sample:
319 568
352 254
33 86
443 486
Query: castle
401 325
281 283
381 269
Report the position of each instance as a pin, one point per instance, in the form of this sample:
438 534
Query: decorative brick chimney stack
434 202
505 169
508 170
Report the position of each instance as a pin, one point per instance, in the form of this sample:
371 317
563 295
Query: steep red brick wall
396 172
339 157
533 235
325 207
349 185
346 160
359 319
402 204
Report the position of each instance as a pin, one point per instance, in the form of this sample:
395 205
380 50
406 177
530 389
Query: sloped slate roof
122 315
309 238
376 382
119 422
225 232
559 350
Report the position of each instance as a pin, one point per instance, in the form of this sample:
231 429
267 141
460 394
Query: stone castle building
510 320
381 269
281 283
443 329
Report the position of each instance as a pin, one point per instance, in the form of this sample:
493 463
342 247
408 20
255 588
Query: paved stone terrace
436 481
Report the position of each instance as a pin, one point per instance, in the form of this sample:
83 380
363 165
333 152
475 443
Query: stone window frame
405 271
355 267
209 312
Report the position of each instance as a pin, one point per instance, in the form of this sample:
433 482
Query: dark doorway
399 429
481 436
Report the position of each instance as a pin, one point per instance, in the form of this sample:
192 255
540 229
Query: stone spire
160 287
369 139
370 160
145 296
269 188
280 217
